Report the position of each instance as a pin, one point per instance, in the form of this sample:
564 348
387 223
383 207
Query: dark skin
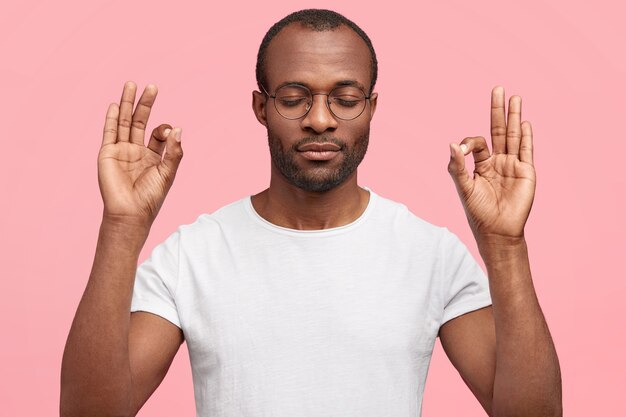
319 65
114 360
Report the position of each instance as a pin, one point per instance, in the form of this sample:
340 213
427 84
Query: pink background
61 63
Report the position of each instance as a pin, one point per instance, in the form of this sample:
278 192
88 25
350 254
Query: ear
373 102
259 102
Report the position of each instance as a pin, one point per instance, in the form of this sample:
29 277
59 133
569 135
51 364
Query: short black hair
319 20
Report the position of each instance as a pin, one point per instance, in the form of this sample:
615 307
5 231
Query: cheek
282 136
289 132
355 132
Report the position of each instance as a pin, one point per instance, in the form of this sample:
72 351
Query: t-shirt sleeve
155 281
466 287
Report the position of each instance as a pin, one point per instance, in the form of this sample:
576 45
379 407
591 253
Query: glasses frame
367 97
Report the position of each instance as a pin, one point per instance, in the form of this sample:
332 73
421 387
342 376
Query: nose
319 118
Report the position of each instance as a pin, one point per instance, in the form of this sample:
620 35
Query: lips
319 147
319 151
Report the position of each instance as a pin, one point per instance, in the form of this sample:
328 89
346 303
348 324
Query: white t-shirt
291 323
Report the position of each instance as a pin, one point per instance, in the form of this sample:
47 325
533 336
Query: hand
134 179
498 198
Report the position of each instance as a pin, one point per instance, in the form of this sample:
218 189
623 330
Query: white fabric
287 323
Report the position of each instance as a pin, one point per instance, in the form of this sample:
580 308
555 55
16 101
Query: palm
131 178
498 198
500 193
134 178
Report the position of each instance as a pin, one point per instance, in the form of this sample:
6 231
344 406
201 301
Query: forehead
317 59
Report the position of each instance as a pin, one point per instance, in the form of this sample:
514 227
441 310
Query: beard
322 177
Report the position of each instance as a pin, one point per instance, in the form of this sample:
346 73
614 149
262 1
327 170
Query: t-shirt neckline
256 217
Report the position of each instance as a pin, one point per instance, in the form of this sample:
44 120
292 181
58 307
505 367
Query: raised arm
504 353
112 362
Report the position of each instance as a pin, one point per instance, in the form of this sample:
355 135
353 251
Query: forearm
95 374
527 380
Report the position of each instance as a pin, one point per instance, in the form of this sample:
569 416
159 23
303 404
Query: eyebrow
350 83
342 83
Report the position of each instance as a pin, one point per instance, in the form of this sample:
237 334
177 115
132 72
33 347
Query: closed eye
292 101
346 101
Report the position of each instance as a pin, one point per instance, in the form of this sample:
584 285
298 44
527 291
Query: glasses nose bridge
327 101
322 118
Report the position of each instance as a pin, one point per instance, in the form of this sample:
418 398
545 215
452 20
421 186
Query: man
314 297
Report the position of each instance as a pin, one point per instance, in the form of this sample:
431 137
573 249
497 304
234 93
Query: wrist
125 231
137 224
501 248
490 239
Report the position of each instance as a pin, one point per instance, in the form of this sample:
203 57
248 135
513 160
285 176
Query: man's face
318 151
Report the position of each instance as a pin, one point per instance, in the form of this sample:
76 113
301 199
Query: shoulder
399 218
210 225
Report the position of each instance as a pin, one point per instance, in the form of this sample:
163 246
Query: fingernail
451 151
166 132
177 133
464 148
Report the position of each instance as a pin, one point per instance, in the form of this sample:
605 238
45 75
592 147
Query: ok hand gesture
134 179
498 197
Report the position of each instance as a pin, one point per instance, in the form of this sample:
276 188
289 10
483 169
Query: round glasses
293 101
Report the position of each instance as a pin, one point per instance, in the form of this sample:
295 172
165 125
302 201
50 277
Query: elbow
81 403
529 409
83 410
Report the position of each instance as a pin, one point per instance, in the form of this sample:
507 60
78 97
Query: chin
318 183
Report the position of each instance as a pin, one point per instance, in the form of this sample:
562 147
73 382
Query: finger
173 151
456 169
477 146
126 111
513 126
498 121
526 146
109 133
142 114
159 138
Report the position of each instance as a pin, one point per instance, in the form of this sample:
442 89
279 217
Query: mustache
319 139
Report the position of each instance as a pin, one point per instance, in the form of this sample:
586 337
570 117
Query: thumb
456 169
173 151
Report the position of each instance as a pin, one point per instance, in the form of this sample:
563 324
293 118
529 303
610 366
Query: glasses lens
347 102
293 101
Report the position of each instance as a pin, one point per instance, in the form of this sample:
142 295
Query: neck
286 205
